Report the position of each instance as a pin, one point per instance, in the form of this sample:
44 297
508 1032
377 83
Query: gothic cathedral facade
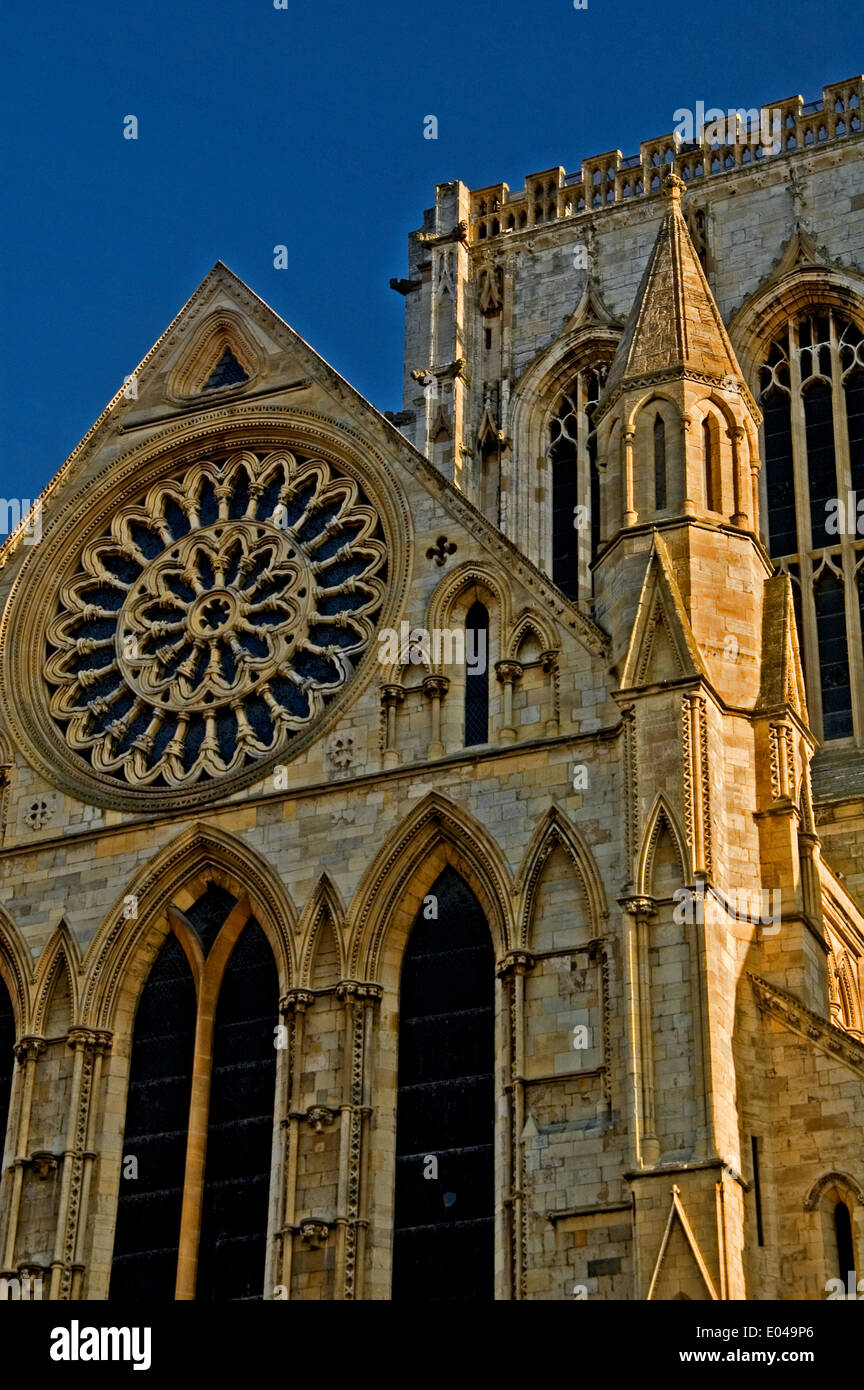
433 845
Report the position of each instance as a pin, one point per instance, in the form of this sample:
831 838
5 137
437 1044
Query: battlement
719 143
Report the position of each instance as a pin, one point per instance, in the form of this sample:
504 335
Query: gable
218 555
662 646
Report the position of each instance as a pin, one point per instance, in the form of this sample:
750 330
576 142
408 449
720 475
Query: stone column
358 1000
292 1007
642 909
739 482
508 672
89 1046
551 667
27 1053
392 697
435 689
512 971
630 515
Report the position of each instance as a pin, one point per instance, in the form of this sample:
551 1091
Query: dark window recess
710 464
7 1059
854 386
845 1244
590 411
208 913
227 372
757 1188
659 464
780 486
157 1118
833 656
240 1131
444 1226
565 499
821 469
477 682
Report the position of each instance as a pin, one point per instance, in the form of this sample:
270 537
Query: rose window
216 618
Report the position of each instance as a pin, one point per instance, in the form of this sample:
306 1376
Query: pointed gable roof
782 676
662 646
675 327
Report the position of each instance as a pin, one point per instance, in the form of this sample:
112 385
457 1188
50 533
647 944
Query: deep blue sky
303 126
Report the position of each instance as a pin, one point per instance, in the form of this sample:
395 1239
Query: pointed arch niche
657 446
835 1227
550 424
666 952
563 925
472 600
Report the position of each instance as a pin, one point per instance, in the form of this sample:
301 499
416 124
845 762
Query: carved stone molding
639 907
29 1049
296 1001
508 671
89 1039
436 687
392 695
43 1163
515 963
795 1016
113 722
318 1117
314 1233
360 992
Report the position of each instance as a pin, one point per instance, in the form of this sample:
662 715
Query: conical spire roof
674 326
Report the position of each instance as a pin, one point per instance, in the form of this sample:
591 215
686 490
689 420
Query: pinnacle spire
674 326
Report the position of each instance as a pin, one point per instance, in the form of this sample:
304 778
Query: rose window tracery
216 618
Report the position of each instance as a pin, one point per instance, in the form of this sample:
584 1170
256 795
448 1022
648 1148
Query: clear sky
304 127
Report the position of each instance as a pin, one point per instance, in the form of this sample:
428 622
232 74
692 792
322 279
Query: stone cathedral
433 844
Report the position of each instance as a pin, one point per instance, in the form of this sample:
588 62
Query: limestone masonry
337 970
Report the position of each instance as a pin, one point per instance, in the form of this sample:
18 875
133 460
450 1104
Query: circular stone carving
214 619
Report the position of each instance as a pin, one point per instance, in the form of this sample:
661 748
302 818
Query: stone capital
89 1040
639 906
436 687
29 1049
508 672
296 1001
515 963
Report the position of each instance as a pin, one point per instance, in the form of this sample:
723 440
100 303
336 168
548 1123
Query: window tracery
215 619
812 399
575 489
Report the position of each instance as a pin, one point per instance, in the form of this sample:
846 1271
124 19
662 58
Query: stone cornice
797 1018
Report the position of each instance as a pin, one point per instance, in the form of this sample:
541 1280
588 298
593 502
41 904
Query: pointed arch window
660 502
7 1059
443 1246
812 400
711 463
147 1236
575 482
193 1222
477 679
240 1125
845 1244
